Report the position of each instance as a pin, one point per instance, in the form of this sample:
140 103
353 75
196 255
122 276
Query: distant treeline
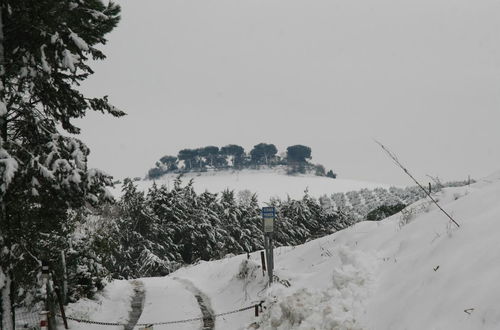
234 156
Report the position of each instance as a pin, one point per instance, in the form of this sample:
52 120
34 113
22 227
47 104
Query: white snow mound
415 270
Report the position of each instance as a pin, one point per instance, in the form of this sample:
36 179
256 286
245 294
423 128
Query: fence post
49 299
44 322
263 262
51 306
270 263
61 308
11 293
65 279
45 281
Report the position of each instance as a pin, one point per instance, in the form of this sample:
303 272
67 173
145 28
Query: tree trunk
6 314
7 322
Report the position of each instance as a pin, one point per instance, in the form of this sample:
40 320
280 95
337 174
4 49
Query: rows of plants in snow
359 204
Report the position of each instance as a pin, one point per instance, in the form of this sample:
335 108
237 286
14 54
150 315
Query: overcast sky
422 76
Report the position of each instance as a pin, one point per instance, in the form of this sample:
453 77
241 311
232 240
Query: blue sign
268 212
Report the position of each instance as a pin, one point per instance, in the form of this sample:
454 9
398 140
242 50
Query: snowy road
170 300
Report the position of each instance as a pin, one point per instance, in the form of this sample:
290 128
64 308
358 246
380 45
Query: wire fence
30 319
149 324
23 319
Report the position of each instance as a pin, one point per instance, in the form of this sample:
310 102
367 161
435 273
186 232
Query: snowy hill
414 270
266 183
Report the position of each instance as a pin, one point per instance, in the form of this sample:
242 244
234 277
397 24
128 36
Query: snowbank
414 270
113 304
411 271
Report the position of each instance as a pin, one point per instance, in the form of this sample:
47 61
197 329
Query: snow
415 270
43 58
111 305
266 183
79 42
69 60
9 167
3 109
176 302
54 38
381 275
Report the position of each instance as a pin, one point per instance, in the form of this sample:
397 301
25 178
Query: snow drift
414 270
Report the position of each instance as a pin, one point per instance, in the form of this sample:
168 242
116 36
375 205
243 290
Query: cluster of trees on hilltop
234 156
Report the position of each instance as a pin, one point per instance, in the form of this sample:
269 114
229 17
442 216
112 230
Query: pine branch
398 163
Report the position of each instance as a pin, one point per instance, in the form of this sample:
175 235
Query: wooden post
11 294
61 308
51 306
270 259
44 322
430 188
263 262
45 281
65 279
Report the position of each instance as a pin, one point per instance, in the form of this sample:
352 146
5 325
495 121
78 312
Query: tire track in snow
203 303
137 305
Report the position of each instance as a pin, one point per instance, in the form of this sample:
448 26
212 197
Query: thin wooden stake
263 261
61 307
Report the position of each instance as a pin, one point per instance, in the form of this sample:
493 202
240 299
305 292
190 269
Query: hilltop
296 160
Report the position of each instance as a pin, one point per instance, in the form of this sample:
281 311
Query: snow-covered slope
411 271
266 183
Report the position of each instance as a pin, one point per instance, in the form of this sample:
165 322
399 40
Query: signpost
268 217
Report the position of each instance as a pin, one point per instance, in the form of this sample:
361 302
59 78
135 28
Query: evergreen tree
251 224
298 153
236 153
44 49
209 154
169 162
189 156
330 174
263 153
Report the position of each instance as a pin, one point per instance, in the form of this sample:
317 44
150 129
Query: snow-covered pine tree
209 233
230 215
251 224
44 49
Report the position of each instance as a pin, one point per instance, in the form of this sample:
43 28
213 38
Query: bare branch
398 163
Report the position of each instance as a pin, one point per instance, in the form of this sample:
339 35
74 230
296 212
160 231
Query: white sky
422 76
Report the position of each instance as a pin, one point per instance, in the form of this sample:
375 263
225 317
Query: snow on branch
8 167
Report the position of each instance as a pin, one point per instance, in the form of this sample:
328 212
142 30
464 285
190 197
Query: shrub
384 211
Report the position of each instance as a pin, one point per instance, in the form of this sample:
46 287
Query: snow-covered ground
168 300
410 271
266 183
110 305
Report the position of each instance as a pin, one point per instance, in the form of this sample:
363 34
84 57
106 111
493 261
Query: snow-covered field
266 183
413 271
